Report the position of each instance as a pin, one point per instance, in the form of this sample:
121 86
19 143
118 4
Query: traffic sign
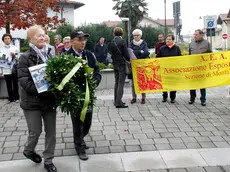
210 22
225 36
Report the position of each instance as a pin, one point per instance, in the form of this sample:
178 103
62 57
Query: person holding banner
37 106
170 49
141 51
199 46
8 57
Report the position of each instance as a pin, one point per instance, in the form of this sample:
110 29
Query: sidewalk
190 160
155 126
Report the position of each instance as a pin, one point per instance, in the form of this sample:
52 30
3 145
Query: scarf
7 46
138 43
42 53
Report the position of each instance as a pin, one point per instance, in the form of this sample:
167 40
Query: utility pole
165 16
176 15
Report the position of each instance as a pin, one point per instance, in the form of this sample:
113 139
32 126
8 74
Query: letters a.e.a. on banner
181 72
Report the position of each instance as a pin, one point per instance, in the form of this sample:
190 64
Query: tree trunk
7 23
7 27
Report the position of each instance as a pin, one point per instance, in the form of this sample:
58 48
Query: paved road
153 126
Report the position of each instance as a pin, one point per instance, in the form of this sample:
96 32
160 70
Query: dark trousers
202 93
120 76
34 123
80 130
12 86
172 95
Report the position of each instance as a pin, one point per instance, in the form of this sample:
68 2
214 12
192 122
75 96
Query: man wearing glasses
81 129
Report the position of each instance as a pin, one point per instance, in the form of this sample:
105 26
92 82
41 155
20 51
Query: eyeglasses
66 42
136 35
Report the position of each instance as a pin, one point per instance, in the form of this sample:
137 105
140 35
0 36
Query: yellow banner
181 72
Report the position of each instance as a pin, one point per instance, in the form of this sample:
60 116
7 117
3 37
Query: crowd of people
163 48
42 106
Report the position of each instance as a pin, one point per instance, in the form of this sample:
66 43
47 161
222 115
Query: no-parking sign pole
210 23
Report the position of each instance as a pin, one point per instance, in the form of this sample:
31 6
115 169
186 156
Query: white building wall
228 32
68 14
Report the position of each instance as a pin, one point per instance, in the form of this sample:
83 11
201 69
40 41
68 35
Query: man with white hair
141 51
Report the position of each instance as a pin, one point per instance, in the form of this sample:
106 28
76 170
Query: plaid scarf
42 53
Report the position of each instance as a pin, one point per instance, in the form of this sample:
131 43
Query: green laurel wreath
71 81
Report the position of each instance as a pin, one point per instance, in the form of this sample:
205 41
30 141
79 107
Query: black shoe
123 106
33 156
191 102
83 156
50 167
173 101
122 103
164 100
133 101
203 103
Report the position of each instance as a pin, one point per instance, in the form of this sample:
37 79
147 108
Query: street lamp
126 20
165 16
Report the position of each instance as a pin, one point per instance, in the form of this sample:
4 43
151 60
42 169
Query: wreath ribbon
86 102
87 96
69 76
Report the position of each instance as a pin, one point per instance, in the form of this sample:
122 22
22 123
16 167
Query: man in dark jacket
160 43
101 51
81 129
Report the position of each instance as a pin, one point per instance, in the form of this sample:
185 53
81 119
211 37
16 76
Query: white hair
138 31
66 38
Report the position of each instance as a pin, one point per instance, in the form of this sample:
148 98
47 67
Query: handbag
128 67
15 66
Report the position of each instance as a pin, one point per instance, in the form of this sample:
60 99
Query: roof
224 16
169 22
149 18
112 23
71 2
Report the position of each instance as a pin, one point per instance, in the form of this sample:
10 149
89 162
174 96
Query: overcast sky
97 11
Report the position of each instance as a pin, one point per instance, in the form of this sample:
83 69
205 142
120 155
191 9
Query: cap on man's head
78 34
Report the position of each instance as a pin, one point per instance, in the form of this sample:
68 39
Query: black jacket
140 51
119 52
165 51
30 98
101 52
87 55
